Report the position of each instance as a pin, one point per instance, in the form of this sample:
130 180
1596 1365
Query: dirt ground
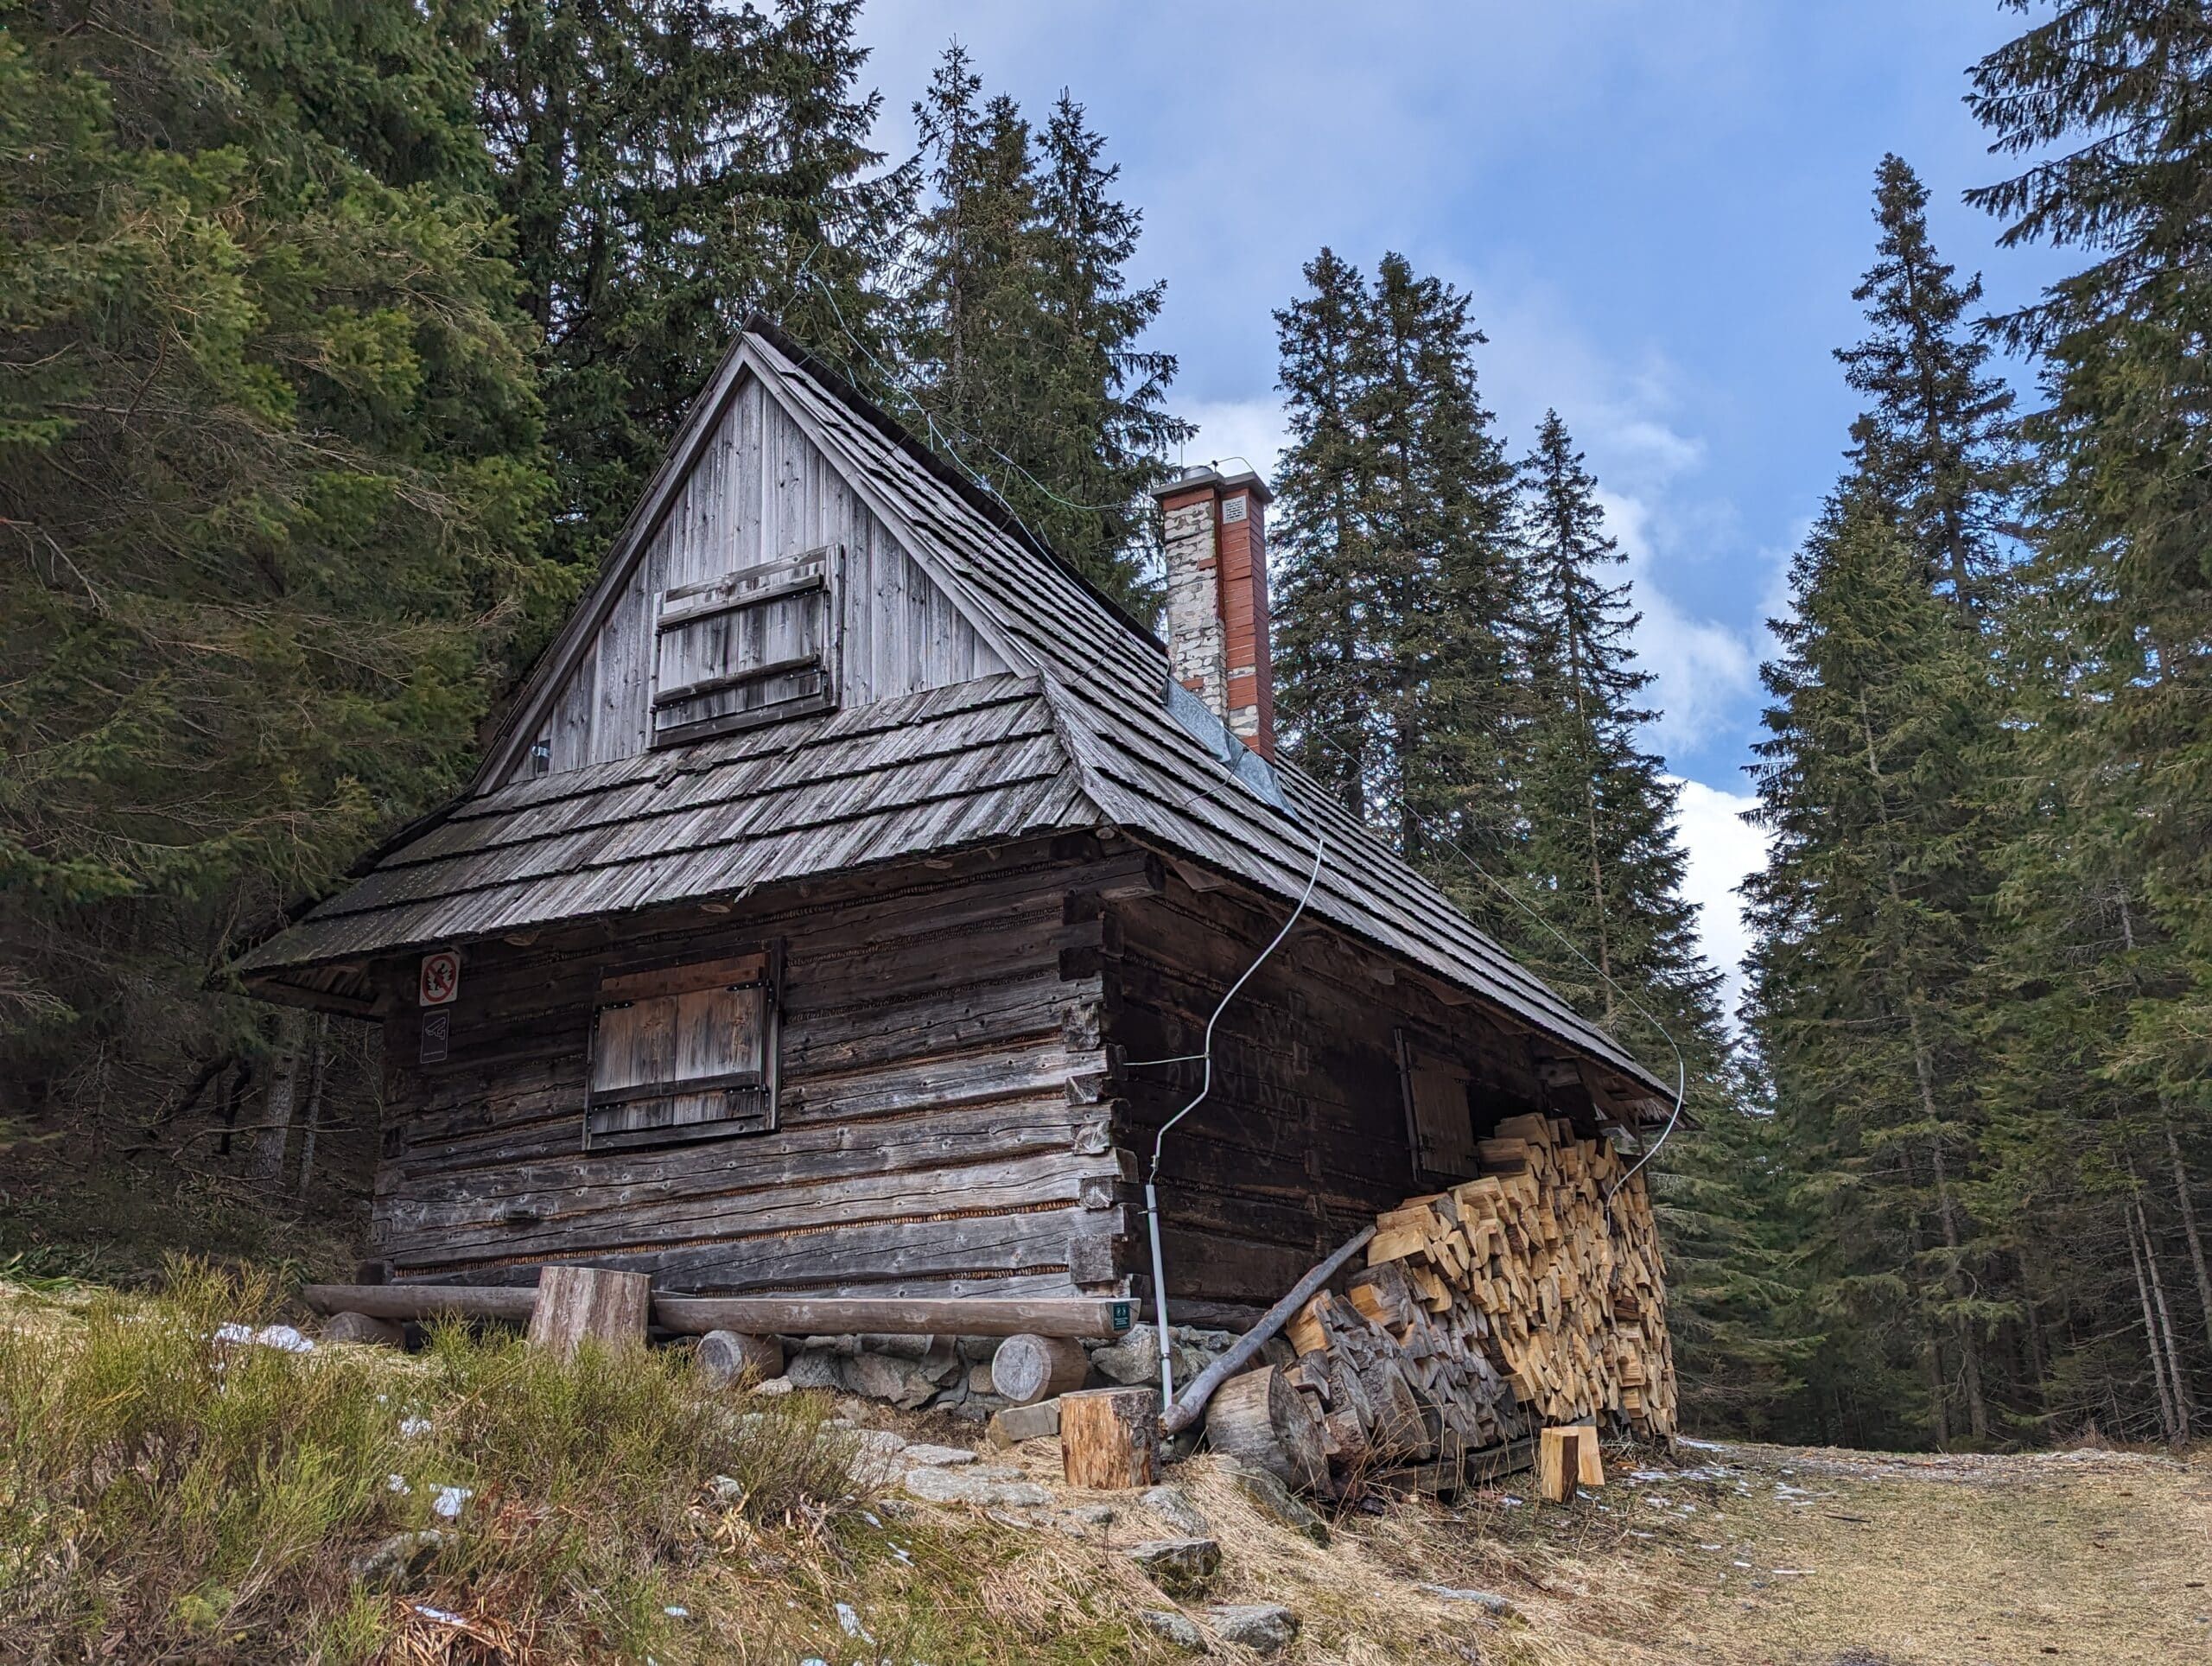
1776 1554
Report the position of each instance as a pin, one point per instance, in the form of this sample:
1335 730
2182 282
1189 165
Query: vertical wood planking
761 493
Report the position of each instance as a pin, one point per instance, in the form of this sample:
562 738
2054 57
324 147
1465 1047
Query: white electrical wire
1205 1087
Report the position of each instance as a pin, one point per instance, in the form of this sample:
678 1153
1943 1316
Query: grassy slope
166 1497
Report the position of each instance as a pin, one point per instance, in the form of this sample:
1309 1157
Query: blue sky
1659 209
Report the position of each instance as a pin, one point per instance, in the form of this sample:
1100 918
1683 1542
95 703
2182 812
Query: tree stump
1260 1419
725 1358
589 1303
1109 1438
360 1327
1028 1369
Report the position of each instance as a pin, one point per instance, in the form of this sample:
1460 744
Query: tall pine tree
669 166
1599 808
1395 547
269 472
1022 334
2110 868
1871 912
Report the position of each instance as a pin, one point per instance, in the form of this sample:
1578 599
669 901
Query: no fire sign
441 979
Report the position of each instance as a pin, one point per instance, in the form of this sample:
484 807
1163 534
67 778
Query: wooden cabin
824 910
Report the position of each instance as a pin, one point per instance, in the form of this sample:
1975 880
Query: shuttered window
1439 1115
684 1053
750 647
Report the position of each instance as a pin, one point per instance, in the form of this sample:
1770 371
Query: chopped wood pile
1512 1301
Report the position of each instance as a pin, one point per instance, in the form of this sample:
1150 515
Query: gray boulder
1173 1506
1133 1361
816 1368
977 1484
1181 1568
1172 1626
1489 1602
1265 1628
937 1457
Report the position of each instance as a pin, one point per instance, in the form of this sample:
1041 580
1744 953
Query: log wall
1304 1137
941 1129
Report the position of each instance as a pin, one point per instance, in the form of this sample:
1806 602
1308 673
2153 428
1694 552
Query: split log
1109 1438
1561 1463
725 1358
1028 1369
577 1304
360 1327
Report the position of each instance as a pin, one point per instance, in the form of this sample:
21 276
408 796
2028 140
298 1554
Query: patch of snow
848 1617
396 1483
413 1428
449 1500
438 1614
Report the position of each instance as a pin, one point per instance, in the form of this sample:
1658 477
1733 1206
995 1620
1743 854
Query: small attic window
684 1053
751 647
541 755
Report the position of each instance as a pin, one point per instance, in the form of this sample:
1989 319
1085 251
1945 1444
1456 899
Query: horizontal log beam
897 1315
418 1301
1061 1316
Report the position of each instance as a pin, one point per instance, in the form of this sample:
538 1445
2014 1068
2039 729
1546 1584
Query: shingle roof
1085 738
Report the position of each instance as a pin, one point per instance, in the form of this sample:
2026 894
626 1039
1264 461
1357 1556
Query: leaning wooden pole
1191 1401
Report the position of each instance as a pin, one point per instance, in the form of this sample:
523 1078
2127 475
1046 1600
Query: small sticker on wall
441 982
437 1030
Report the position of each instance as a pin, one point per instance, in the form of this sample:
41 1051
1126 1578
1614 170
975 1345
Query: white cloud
1237 433
1722 848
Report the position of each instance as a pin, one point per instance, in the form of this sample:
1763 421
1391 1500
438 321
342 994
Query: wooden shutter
684 1051
747 648
1439 1116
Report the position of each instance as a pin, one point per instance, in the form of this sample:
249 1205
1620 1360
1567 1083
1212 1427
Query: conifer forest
337 340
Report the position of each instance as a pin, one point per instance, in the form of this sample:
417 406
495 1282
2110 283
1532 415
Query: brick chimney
1218 598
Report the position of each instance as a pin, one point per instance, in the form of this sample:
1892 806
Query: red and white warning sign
441 979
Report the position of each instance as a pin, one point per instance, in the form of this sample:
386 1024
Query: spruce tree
1599 808
1022 330
668 166
1866 934
1395 551
1933 437
2111 866
269 468
1318 535
1444 580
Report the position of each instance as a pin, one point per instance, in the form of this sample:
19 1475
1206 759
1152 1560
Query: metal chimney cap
1224 485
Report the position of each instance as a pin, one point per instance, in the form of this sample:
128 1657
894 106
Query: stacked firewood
1566 1288
1521 1299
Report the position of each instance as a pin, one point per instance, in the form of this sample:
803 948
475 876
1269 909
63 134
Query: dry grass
165 1496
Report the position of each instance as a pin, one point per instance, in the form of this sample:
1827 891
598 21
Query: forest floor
170 1489
1757 1553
